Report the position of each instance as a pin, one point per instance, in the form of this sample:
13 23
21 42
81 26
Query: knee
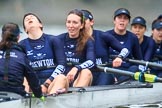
86 73
61 77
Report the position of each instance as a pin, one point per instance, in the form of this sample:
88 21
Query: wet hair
10 33
83 35
33 15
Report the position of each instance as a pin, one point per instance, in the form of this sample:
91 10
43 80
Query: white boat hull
94 98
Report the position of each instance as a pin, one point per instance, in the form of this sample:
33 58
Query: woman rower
102 44
127 39
157 36
46 55
147 44
79 49
14 64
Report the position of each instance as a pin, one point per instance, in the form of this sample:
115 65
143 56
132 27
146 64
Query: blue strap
142 77
7 57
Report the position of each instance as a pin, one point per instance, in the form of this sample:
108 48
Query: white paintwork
94 99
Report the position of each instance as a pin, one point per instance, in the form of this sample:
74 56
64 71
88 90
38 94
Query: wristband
78 67
51 78
119 56
46 85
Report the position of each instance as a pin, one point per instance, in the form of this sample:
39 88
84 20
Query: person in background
147 44
79 50
157 36
46 55
102 44
160 17
127 39
14 63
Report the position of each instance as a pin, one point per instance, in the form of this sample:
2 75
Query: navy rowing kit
103 42
147 48
157 59
45 54
14 66
85 59
130 41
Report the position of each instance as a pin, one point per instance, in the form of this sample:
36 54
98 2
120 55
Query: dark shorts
133 69
102 78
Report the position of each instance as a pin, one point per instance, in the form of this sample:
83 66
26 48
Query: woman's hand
45 86
44 89
71 74
117 62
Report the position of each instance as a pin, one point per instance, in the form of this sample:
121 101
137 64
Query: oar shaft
141 62
116 71
158 79
148 77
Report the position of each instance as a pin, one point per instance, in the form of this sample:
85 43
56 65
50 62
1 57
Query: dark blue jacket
13 71
157 58
147 48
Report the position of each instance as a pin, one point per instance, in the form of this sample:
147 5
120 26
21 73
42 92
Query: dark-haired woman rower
14 64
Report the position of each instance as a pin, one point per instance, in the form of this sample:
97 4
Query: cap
157 25
122 11
139 20
11 27
159 17
87 14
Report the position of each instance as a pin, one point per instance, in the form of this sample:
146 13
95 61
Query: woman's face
73 25
30 22
89 23
121 22
157 35
138 30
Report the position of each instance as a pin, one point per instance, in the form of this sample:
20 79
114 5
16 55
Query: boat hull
98 97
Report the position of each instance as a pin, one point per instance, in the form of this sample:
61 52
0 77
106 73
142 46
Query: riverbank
53 12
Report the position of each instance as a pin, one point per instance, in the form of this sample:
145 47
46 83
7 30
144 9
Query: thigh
83 76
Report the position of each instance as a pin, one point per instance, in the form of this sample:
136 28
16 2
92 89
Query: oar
145 63
148 77
140 62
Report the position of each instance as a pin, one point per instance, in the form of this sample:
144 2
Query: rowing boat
92 97
127 93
